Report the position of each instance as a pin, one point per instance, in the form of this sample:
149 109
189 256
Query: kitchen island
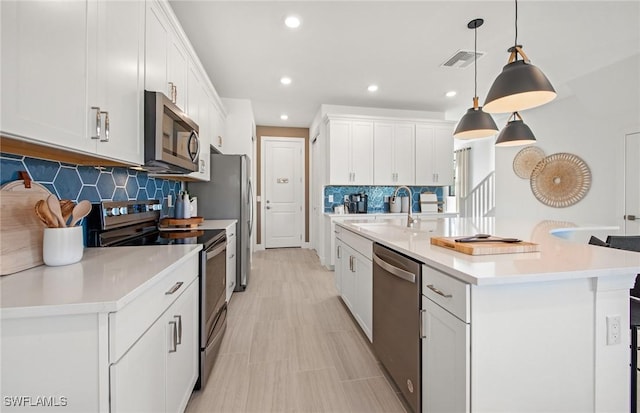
527 332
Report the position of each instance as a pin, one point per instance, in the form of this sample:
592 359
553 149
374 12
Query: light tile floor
291 346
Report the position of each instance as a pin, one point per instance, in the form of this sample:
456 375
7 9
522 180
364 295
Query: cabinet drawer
448 292
360 244
128 324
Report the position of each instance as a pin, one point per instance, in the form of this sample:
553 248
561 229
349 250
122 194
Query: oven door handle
398 272
216 251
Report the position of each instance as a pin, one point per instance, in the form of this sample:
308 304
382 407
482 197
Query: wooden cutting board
20 229
484 248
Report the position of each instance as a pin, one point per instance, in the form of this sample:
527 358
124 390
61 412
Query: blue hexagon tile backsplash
377 200
95 184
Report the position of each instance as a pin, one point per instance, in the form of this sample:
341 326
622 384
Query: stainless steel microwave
171 143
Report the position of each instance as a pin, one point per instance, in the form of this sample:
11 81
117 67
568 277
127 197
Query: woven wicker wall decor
526 160
560 180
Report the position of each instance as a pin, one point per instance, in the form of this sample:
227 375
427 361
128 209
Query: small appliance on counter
357 203
428 202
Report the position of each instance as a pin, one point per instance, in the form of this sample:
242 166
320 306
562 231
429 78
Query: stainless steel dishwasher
396 320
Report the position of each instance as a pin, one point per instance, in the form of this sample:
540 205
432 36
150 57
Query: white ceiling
342 47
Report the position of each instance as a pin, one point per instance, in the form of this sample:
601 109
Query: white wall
589 119
482 160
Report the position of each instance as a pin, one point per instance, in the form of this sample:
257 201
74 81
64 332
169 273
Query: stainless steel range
134 223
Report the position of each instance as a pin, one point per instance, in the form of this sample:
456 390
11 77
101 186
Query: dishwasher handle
393 270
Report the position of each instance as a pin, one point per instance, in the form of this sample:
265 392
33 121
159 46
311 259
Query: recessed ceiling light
451 93
292 22
285 80
284 117
372 88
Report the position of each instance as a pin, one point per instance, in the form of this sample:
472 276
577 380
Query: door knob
630 217
268 207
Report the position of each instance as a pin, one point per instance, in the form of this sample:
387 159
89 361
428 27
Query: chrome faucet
410 219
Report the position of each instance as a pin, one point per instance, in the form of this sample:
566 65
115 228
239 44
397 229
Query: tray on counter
484 247
180 223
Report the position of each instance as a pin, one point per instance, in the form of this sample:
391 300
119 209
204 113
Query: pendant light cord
515 44
475 61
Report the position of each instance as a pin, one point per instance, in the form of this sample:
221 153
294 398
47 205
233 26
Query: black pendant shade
475 124
520 86
516 133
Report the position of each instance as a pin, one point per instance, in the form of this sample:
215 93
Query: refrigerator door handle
250 208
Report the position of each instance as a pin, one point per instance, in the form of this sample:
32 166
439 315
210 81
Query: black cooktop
206 237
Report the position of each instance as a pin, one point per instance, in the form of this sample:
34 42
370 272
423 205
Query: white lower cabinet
231 260
354 277
446 336
445 360
135 379
158 372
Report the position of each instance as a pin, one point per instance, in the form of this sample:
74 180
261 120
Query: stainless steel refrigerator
229 195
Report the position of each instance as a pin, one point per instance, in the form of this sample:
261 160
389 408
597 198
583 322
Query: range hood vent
461 59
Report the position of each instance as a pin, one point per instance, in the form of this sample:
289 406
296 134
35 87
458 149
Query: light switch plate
330 198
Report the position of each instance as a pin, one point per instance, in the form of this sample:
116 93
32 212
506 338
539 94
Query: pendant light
520 86
515 133
475 123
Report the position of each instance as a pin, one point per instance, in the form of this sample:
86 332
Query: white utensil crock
62 246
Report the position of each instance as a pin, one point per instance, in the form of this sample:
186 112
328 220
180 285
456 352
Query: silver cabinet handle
106 126
393 270
439 292
175 93
179 318
339 252
422 312
175 288
232 256
172 92
174 336
98 121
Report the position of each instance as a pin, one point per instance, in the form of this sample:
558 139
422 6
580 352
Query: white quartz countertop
105 280
557 259
217 223
391 214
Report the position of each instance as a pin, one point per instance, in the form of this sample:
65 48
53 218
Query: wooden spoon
80 211
43 212
54 206
66 206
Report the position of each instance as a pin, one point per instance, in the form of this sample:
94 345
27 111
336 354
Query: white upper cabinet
44 56
350 152
394 146
165 57
71 75
434 154
118 86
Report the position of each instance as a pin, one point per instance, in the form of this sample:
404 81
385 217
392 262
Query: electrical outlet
613 330
330 198
169 201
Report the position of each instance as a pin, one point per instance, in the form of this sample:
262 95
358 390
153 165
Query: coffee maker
358 203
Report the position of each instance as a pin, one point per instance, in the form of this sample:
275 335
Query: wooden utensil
43 212
21 230
66 206
54 206
80 211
